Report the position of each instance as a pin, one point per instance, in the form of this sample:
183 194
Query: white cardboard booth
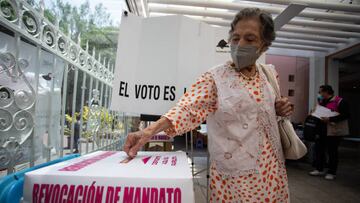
158 58
151 177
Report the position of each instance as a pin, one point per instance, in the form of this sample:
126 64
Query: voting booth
102 176
158 58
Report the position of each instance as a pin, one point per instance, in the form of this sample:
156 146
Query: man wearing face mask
329 140
241 110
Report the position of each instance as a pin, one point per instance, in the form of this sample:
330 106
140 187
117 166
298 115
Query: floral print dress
270 184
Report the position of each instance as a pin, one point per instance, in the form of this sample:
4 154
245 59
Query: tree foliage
92 26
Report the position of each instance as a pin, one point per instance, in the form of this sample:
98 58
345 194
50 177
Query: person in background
77 128
325 142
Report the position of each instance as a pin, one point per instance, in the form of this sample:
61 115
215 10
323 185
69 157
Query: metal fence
42 72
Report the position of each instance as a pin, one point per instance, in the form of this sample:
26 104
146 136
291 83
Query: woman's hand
283 107
135 141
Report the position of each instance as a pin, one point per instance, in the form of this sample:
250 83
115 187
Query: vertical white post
312 83
73 109
50 127
90 90
102 131
37 70
83 88
316 78
63 108
96 133
89 105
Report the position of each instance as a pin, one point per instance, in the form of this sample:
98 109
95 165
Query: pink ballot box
151 177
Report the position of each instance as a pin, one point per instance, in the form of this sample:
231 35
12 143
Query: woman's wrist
148 132
160 125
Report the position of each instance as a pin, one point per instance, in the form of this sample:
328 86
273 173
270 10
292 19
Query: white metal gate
36 63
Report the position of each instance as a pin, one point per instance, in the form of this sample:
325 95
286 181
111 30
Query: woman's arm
193 107
191 110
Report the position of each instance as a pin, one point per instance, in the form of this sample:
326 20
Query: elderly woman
239 104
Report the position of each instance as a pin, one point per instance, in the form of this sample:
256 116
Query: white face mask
244 56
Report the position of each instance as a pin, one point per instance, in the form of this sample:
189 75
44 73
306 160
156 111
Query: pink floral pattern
270 184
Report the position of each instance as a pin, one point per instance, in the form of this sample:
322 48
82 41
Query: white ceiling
312 25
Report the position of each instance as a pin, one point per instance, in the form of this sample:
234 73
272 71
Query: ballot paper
102 176
321 111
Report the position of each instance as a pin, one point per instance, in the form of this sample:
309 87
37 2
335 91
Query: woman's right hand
135 141
138 139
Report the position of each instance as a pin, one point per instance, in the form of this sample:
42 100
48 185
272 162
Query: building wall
316 78
349 89
316 69
299 68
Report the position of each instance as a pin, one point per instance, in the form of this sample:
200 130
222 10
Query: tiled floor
304 188
345 189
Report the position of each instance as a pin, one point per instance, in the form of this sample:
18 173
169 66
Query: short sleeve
194 106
